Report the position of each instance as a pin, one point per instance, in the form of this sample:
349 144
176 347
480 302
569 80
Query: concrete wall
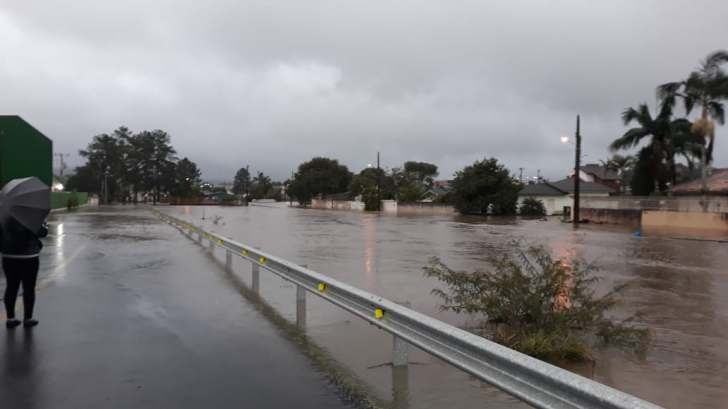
612 216
691 220
425 208
337 205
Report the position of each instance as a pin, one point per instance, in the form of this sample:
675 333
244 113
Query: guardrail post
400 347
229 260
212 247
199 236
301 306
256 276
400 387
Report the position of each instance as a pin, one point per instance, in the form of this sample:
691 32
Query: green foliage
531 205
370 177
370 198
187 175
262 185
421 172
643 178
536 304
486 186
228 200
144 161
241 182
412 192
320 176
86 179
73 199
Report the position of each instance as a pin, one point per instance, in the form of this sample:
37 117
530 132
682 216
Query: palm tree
620 164
264 182
706 88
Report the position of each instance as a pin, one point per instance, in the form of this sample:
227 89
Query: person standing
20 249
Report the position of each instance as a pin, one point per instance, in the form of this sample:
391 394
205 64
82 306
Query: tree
421 172
643 178
485 187
103 156
263 184
242 181
162 157
663 133
532 206
86 179
537 304
411 193
620 164
320 176
187 176
369 177
706 88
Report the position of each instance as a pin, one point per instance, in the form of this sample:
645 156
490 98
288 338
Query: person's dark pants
17 271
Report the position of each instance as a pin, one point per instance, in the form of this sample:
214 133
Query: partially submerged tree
485 187
537 304
532 206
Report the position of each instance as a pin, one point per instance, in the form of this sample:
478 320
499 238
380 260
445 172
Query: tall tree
620 164
103 155
241 181
320 176
706 88
263 184
663 133
421 172
187 177
485 187
370 177
163 156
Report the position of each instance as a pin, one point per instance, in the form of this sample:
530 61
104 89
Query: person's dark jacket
17 241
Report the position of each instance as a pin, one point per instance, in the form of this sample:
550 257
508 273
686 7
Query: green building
24 151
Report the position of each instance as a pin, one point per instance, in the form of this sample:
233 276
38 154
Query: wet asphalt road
133 315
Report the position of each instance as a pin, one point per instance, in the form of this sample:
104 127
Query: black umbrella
27 201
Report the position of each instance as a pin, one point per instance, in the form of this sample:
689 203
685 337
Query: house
435 192
717 184
600 174
557 195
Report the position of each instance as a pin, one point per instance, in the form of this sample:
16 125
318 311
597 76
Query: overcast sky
273 83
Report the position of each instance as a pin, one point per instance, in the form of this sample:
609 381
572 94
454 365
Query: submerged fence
528 379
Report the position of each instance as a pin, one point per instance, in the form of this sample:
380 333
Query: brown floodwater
682 286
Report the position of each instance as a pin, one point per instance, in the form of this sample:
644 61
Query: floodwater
682 286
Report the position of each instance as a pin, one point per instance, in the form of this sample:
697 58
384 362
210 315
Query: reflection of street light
577 166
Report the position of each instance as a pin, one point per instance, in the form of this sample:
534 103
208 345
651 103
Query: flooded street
681 285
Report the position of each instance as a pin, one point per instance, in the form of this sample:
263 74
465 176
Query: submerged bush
537 304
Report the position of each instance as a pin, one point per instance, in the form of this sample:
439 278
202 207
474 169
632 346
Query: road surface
133 315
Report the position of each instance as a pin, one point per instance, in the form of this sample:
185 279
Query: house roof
584 187
437 191
717 182
541 189
600 171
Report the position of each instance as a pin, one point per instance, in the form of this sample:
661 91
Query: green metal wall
24 151
59 200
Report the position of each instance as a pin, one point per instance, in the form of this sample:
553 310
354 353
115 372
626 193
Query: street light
577 166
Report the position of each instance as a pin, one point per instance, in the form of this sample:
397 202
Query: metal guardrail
535 382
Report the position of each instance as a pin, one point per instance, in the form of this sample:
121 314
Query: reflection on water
682 285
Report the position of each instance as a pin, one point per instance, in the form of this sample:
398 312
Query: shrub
531 205
73 199
536 304
228 201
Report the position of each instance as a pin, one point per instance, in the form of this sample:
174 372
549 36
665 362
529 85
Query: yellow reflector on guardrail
322 286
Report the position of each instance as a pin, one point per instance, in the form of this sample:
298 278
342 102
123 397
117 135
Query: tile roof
718 181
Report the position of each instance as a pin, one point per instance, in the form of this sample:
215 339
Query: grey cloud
273 83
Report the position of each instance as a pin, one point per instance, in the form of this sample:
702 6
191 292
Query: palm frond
717 111
713 61
668 90
630 139
641 115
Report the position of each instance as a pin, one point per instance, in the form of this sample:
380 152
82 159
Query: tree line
122 165
654 167
484 187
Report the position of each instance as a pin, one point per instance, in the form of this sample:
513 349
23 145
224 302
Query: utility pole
577 167
247 183
520 178
379 184
538 175
290 194
62 166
